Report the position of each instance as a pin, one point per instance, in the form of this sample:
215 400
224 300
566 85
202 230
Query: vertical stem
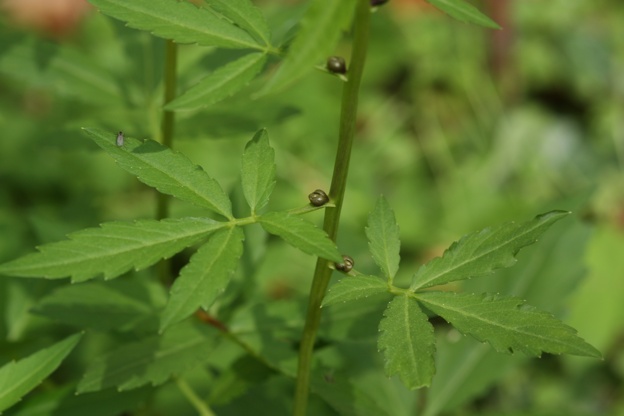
322 273
168 119
171 58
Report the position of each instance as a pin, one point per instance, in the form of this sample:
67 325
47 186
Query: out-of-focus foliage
457 131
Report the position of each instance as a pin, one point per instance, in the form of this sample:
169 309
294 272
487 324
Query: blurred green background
459 127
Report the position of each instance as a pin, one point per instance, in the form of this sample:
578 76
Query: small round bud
347 264
336 65
318 198
376 3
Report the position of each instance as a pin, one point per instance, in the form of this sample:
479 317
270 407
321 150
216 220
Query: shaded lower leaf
18 378
205 276
464 12
301 234
481 253
507 323
119 305
112 249
150 360
220 84
407 342
465 370
345 396
353 288
63 401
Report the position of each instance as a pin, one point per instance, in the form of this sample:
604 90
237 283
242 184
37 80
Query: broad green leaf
205 276
18 378
464 12
244 14
465 368
168 171
112 249
320 29
220 84
507 323
354 288
383 238
481 253
150 360
179 21
407 342
258 171
119 305
301 234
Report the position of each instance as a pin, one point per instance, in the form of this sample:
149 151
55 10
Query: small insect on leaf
120 139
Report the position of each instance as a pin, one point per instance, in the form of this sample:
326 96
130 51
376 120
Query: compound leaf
112 249
354 288
168 171
205 276
220 84
464 12
481 253
407 342
18 378
258 171
301 234
179 21
383 238
151 360
244 14
507 323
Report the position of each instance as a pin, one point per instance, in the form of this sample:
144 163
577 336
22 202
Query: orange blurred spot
56 18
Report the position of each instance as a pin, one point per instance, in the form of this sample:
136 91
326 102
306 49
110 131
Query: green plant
168 341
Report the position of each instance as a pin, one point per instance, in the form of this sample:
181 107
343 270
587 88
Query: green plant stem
168 119
199 405
322 273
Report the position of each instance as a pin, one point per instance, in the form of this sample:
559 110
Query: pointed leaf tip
464 12
482 252
168 171
258 171
507 323
383 238
112 249
180 21
17 378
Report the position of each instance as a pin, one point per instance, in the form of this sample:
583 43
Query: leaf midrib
473 259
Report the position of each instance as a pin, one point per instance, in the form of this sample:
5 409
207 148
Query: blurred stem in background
168 119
